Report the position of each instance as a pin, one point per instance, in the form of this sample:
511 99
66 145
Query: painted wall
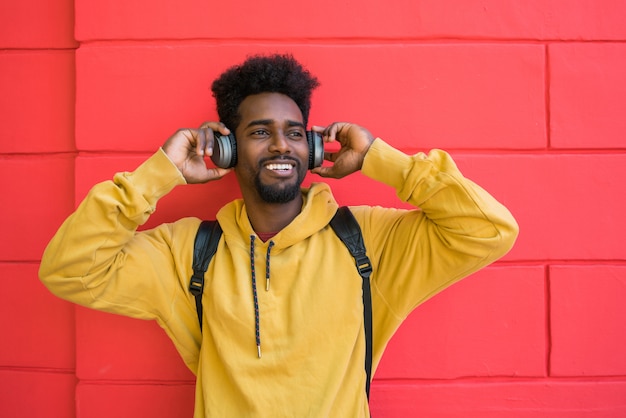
528 96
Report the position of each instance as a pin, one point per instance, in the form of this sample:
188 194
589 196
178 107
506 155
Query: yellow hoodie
310 311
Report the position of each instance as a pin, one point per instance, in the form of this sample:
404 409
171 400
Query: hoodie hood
318 208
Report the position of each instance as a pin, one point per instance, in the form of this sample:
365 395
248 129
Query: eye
295 134
260 133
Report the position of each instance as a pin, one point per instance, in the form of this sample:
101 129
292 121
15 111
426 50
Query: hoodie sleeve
97 259
456 229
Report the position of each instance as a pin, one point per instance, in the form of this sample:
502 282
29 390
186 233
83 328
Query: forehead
269 106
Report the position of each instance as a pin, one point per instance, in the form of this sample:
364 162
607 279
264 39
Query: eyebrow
265 122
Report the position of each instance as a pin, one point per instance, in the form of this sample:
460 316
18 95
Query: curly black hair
262 74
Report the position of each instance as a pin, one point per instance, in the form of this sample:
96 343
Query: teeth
278 166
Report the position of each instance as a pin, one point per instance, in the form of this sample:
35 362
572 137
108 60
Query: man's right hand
187 149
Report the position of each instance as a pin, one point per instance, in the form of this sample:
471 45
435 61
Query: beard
280 193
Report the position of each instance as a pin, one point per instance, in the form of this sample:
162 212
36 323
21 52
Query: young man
283 328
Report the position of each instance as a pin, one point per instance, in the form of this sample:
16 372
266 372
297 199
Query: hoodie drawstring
257 330
257 326
267 266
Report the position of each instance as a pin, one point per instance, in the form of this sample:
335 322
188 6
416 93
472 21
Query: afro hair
262 74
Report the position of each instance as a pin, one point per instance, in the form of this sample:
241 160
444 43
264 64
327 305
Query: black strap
205 245
349 231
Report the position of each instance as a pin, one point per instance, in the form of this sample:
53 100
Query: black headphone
225 150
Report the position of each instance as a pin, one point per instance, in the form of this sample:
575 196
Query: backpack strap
205 245
348 230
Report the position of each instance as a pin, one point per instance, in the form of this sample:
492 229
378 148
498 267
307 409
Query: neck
272 217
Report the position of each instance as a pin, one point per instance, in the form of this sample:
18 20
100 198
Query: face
272 150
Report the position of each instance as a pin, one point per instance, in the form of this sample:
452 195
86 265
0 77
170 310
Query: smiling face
272 150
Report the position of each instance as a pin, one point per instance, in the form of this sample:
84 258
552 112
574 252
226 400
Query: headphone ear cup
224 151
316 149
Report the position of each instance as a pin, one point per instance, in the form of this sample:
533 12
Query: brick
37 107
32 318
587 20
438 95
567 205
534 19
490 324
113 347
588 318
325 19
447 96
93 169
122 104
36 394
129 400
37 24
40 190
499 399
587 95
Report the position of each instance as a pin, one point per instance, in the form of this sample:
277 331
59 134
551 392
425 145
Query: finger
217 172
330 172
330 133
343 130
337 131
211 130
223 129
200 173
215 126
191 136
322 171
212 174
202 137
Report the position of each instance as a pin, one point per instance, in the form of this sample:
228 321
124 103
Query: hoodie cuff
156 177
386 164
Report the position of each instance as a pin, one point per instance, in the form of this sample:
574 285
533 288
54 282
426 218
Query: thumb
323 171
205 174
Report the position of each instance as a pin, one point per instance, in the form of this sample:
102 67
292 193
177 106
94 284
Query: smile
279 167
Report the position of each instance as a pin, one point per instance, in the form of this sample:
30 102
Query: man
283 331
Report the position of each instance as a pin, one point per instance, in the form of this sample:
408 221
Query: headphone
225 150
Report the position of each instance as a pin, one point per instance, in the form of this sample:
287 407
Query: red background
528 96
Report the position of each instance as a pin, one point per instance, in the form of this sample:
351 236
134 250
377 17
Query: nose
279 143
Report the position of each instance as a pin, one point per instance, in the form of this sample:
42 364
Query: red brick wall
528 96
37 75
